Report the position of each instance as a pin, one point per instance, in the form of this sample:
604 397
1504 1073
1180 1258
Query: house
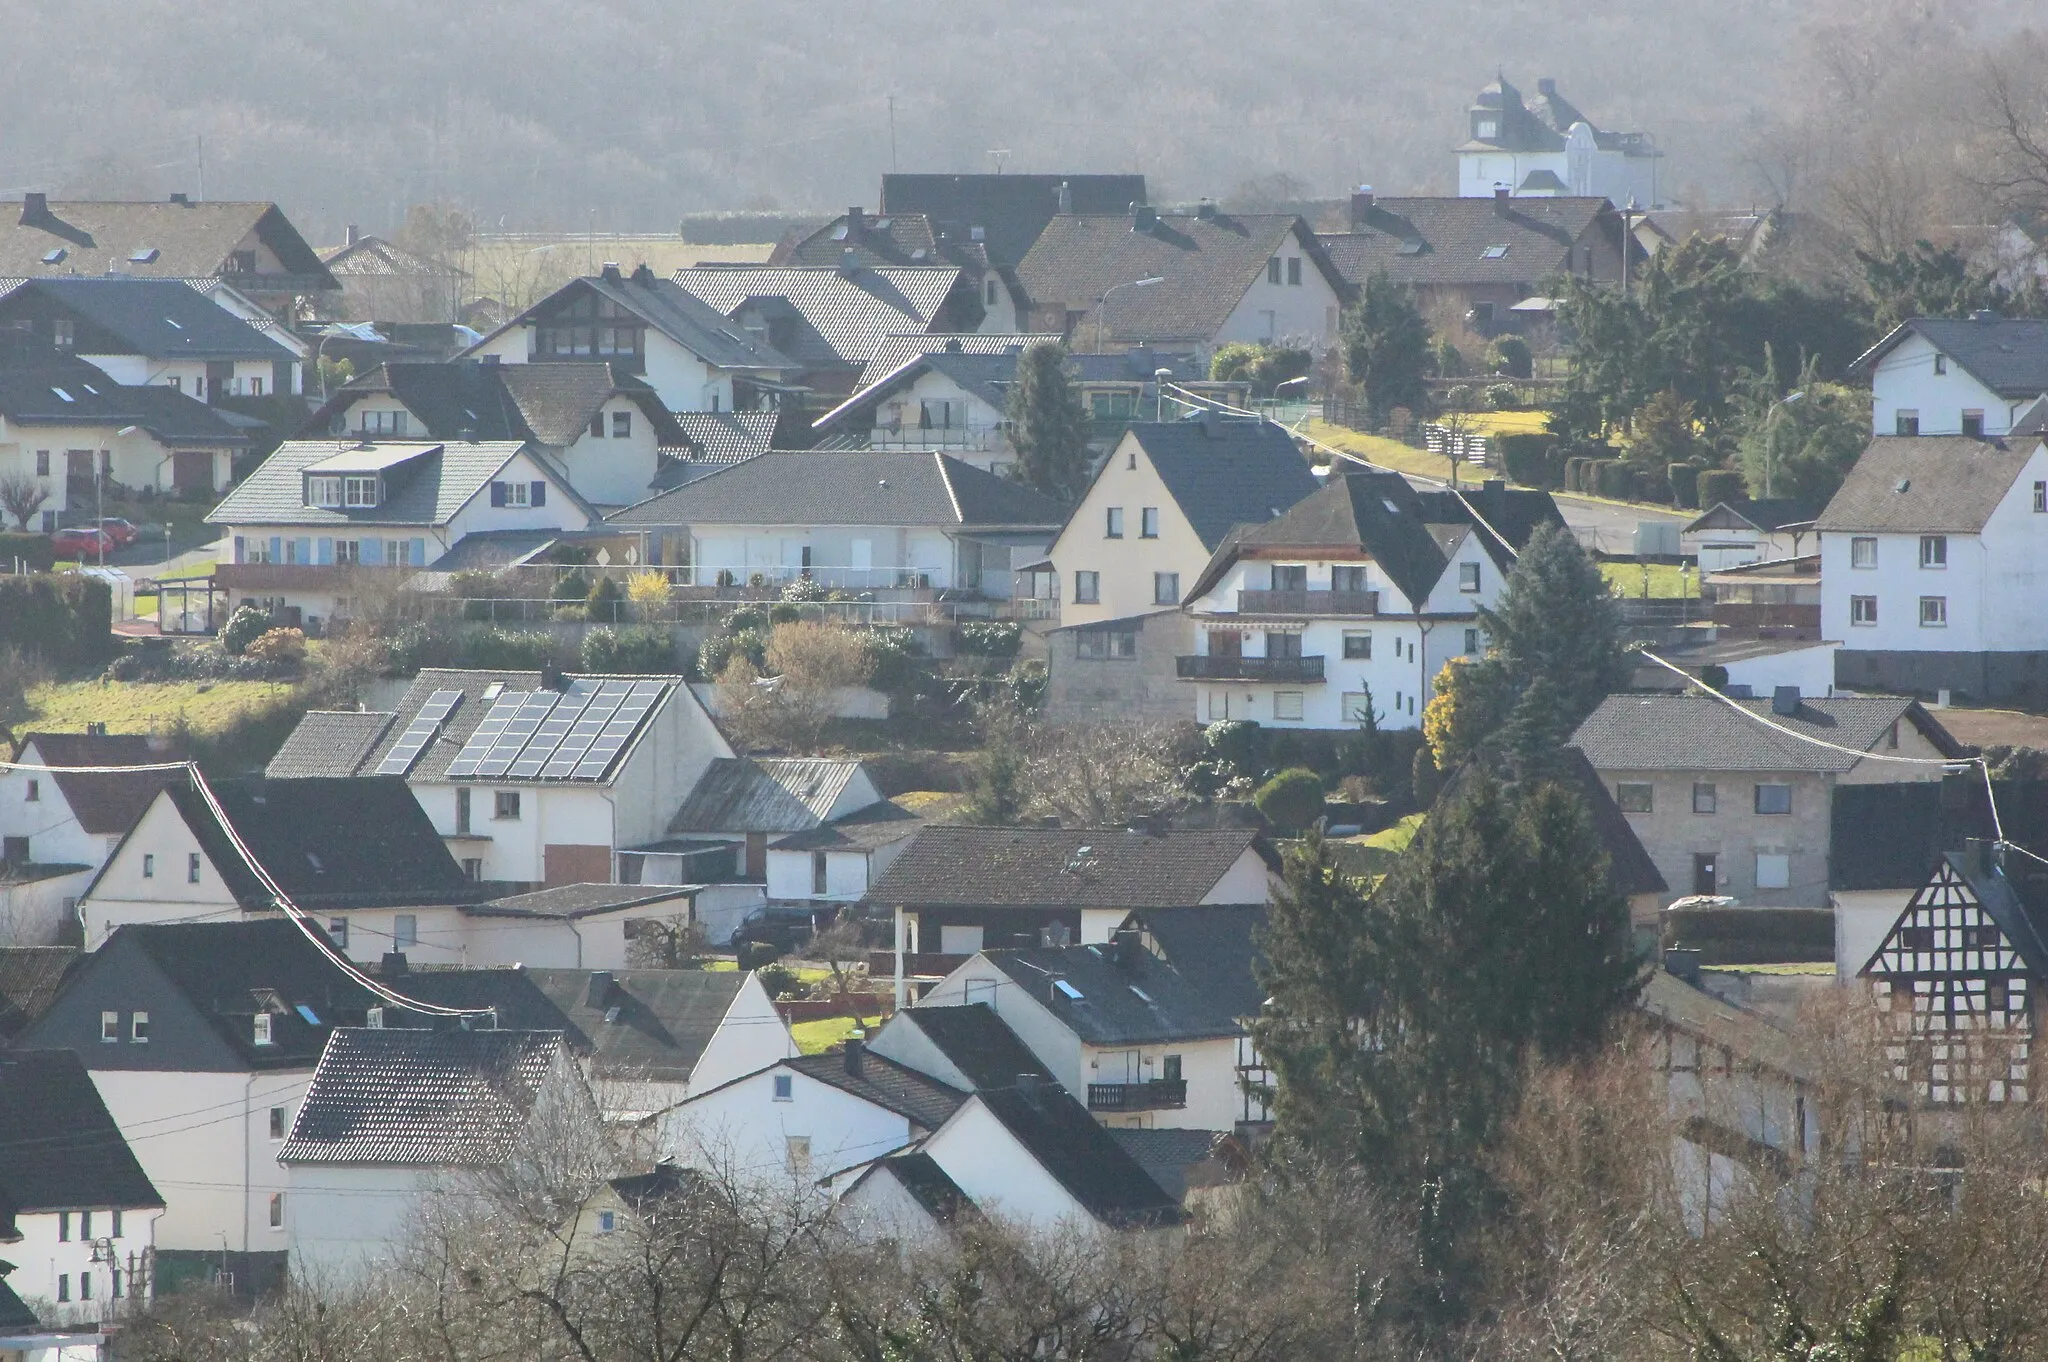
1545 148
693 356
322 524
525 777
950 400
904 1198
899 239
1216 949
72 818
1974 376
201 1038
383 282
78 1214
355 848
1006 214
1471 260
605 428
144 332
1157 510
828 320
393 1116
1350 601
856 520
1725 805
964 1045
80 435
1149 1047
896 351
250 246
716 439
569 926
1748 530
959 889
1923 550
1220 278
1760 659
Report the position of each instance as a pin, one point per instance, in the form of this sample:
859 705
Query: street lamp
1770 443
1159 377
1103 302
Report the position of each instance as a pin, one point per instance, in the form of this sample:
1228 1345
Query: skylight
1391 507
146 256
1143 996
55 255
61 393
1411 247
307 1013
1068 989
173 325
1494 253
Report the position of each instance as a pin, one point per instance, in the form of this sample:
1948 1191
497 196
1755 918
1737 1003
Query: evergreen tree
1386 346
1048 424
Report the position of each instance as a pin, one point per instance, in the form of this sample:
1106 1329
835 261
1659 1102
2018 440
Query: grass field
816 1037
1384 452
144 706
1374 856
1667 581
1506 422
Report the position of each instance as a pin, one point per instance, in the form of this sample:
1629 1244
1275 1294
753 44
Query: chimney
610 272
856 1043
1546 85
1144 217
1493 487
1027 1087
1500 198
34 208
642 275
1124 949
184 200
1982 314
849 263
600 988
1206 210
349 238
1066 197
1785 700
393 965
856 223
1683 962
1361 207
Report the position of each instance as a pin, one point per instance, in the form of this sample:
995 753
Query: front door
1705 873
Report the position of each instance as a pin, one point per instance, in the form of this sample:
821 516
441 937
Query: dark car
786 927
122 532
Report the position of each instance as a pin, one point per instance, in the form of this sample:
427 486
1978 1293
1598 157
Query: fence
509 611
1461 446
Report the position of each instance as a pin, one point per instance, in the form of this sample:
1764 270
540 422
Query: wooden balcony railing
1213 668
1308 602
1161 1094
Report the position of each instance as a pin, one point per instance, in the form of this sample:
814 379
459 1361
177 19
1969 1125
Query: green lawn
816 1037
1382 451
1374 856
1666 580
143 706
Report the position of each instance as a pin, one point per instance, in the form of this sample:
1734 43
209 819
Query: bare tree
809 664
1101 775
21 496
2011 113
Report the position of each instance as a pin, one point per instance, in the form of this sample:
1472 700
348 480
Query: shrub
243 628
635 651
991 638
781 981
746 617
1613 478
1502 396
1459 398
572 586
32 551
784 612
894 653
716 652
803 589
1291 800
1651 484
506 649
1717 485
604 599
759 955
1530 460
1685 484
726 577
649 592
1450 361
286 647
1511 356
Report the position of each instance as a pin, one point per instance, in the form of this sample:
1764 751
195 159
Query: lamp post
1102 303
1770 440
1159 377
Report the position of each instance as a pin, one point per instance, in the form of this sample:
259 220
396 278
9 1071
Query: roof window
1494 253
1064 987
64 395
307 1013
1411 246
173 324
1143 996
144 256
55 255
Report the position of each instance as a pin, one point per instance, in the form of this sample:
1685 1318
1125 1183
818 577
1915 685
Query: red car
122 532
81 542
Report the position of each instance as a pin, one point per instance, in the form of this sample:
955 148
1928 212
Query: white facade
839 875
1585 168
1917 390
935 412
1966 593
1305 313
1000 1176
747 1126
685 381
344 1222
249 378
135 459
32 805
852 557
55 1275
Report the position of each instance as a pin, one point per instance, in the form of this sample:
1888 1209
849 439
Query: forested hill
623 114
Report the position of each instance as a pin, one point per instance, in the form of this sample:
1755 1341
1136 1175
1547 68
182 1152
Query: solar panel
545 735
518 732
480 742
549 735
398 761
601 704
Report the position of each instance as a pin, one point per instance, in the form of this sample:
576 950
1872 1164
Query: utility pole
892 132
199 146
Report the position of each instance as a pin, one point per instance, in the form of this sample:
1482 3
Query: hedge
1685 484
63 619
1614 478
1530 459
1753 936
1717 485
33 552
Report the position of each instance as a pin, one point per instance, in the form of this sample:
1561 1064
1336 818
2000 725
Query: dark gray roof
81 395
2014 894
1214 947
2007 355
1377 513
1222 471
919 1174
1753 513
1166 1155
1081 1156
896 351
841 317
1206 265
790 487
578 900
190 241
403 1098
15 1316
1011 210
891 239
429 487
675 312
1892 835
1630 871
59 1147
1128 996
1036 867
921 1099
1451 240
328 742
976 1041
1926 484
767 794
374 256
721 437
878 825
1515 513
1701 733
462 399
490 550
161 319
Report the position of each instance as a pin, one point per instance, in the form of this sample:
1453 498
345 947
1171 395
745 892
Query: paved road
1608 528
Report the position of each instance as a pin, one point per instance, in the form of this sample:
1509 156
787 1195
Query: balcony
910 435
1161 1094
1306 602
1213 668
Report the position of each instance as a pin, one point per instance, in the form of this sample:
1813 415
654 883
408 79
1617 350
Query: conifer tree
1048 424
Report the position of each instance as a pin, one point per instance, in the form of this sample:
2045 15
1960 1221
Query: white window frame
324 490
1113 523
359 490
110 1028
1468 577
1934 552
1863 552
1934 612
1087 587
138 1027
1356 703
1148 522
259 1029
1863 611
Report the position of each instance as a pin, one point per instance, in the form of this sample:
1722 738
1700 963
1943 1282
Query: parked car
122 532
787 928
81 542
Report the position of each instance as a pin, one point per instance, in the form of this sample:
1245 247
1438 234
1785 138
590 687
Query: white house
394 1116
1929 552
145 332
1972 376
950 400
1732 534
1353 600
747 803
858 520
78 1214
324 523
690 354
526 778
1546 147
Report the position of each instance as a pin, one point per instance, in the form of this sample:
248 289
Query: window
1906 423
63 332
85 1224
323 489
1287 704
110 1027
1703 797
597 426
337 932
1273 270
1358 706
1863 551
1290 576
1294 269
818 872
1471 642
1282 645
1087 588
277 1123
783 1087
255 387
277 1210
138 1027
1148 521
260 1030
1634 796
148 866
1934 612
1941 364
1774 799
42 463
990 296
1495 252
607 1221
1357 646
1934 550
384 423
63 1286
241 262
1973 424
2040 498
1169 1068
1468 576
192 868
116 1213
1106 645
63 1227
1348 579
511 494
359 489
405 930
1773 870
622 425
505 804
374 1018
85 1283
799 1148
1166 588
1114 526
473 868
1863 610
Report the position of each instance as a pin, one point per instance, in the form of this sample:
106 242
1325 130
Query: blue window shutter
540 494
419 553
276 549
323 551
497 494
241 549
373 551
305 550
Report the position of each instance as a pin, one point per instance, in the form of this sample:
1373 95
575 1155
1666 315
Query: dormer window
359 490
324 489
1485 129
261 1033
384 423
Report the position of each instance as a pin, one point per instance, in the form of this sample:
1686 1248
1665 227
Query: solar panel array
398 761
557 735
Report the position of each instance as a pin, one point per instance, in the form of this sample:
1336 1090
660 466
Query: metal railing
910 435
1160 1094
1212 668
502 610
1308 602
